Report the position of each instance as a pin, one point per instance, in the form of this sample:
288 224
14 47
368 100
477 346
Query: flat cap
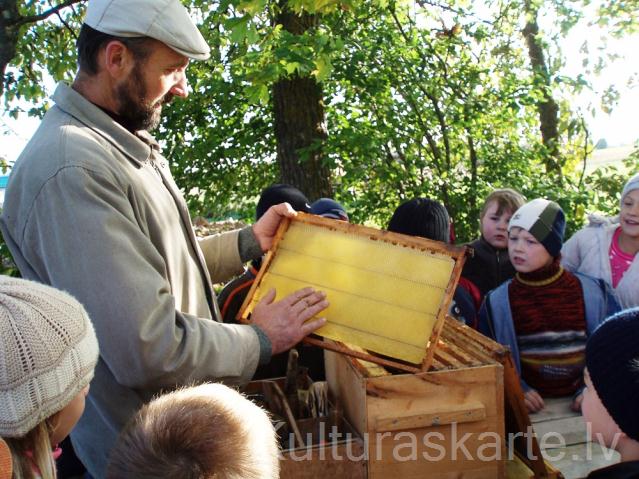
164 20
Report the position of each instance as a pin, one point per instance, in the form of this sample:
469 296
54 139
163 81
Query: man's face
150 84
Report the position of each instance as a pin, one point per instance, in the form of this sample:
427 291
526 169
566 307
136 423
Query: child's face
525 252
494 227
603 428
629 214
67 418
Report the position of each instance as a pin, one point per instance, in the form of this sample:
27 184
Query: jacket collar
138 147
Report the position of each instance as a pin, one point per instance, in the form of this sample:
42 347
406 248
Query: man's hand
266 227
284 322
534 401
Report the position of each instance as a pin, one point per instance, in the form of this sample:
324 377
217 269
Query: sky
618 128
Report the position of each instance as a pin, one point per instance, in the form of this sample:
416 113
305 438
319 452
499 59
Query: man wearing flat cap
91 208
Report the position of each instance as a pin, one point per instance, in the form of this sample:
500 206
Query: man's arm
82 236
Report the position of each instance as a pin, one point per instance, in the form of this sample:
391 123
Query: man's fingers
311 311
284 209
268 297
300 295
310 326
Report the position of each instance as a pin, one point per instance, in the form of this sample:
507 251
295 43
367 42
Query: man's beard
135 111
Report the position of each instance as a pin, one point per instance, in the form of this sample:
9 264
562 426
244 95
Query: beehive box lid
388 293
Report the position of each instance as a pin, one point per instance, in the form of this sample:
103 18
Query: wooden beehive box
412 422
438 410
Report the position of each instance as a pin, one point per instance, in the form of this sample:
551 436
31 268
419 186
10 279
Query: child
207 431
48 350
608 250
329 208
612 392
545 313
489 266
429 219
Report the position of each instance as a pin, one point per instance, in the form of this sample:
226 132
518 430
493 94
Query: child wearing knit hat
48 350
545 313
607 248
612 392
429 219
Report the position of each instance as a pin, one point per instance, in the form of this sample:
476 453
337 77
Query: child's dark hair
421 217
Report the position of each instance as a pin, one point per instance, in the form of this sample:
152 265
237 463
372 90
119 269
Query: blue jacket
496 321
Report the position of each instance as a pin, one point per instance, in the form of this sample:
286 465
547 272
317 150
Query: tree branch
46 14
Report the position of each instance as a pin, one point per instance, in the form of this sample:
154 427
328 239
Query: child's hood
597 220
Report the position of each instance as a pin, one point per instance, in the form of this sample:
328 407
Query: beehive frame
432 269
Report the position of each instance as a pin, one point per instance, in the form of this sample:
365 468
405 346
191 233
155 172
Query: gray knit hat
48 351
631 184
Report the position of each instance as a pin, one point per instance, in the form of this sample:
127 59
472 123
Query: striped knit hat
48 351
612 358
544 220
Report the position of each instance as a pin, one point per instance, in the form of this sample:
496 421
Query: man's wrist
248 245
266 348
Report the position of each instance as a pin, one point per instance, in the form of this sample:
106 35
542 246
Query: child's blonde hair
506 199
49 351
206 431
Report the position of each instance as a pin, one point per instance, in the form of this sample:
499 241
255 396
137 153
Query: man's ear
117 60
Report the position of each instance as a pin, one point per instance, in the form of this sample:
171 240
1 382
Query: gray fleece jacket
588 252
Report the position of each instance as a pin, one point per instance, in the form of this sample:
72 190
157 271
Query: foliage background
421 98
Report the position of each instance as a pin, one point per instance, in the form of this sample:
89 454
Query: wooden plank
579 460
444 357
348 388
411 395
343 349
443 311
445 415
554 408
571 429
467 339
367 368
325 462
516 468
454 350
243 313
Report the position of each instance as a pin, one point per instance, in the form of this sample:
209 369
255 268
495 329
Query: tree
401 99
299 118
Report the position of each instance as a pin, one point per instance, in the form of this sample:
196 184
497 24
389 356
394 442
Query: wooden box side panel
348 389
443 424
343 460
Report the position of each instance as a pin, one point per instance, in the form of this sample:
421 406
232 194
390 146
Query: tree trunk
547 107
299 122
9 16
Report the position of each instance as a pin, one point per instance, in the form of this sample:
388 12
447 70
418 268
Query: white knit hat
631 185
48 351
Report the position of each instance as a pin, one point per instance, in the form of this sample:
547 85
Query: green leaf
323 68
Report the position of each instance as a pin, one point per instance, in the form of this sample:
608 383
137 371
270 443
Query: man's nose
181 87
